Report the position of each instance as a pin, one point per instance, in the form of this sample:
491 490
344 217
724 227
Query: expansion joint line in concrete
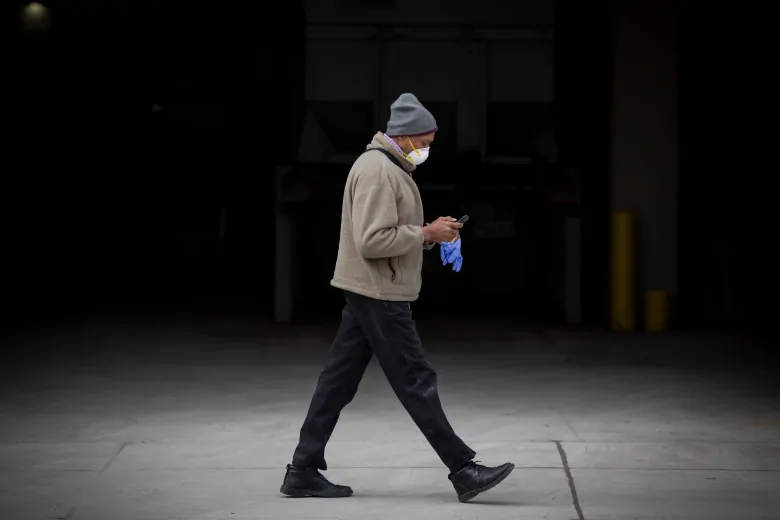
113 458
570 478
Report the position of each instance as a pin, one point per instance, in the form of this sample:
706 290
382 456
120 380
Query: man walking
379 268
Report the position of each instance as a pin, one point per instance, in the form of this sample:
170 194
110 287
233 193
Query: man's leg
337 385
394 339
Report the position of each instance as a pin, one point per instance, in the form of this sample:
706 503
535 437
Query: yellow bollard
656 311
623 273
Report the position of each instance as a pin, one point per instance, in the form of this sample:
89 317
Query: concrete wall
461 53
644 137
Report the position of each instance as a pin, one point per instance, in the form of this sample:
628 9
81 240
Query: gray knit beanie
409 118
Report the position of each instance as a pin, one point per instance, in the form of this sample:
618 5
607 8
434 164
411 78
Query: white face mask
418 156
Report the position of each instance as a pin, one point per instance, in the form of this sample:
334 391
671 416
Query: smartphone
463 219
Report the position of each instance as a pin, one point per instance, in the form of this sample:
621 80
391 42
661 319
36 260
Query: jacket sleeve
428 245
375 220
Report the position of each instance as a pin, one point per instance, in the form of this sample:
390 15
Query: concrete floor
143 421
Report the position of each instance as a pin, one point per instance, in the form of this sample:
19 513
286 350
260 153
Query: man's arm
375 220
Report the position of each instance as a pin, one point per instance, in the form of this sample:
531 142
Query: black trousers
385 329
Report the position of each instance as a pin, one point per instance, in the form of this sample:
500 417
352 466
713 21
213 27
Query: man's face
408 144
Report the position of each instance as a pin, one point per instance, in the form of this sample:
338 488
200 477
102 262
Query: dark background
110 205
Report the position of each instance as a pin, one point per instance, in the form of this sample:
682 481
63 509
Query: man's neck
395 145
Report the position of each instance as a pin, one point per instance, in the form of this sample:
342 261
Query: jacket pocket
395 270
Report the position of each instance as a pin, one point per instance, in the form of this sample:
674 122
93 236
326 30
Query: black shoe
472 479
310 483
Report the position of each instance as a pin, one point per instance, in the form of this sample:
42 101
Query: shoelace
478 468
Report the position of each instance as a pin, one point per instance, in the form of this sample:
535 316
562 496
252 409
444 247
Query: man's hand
443 229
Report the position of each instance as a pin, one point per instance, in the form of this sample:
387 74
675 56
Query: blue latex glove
450 254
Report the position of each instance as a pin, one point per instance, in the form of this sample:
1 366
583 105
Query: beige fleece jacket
381 244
